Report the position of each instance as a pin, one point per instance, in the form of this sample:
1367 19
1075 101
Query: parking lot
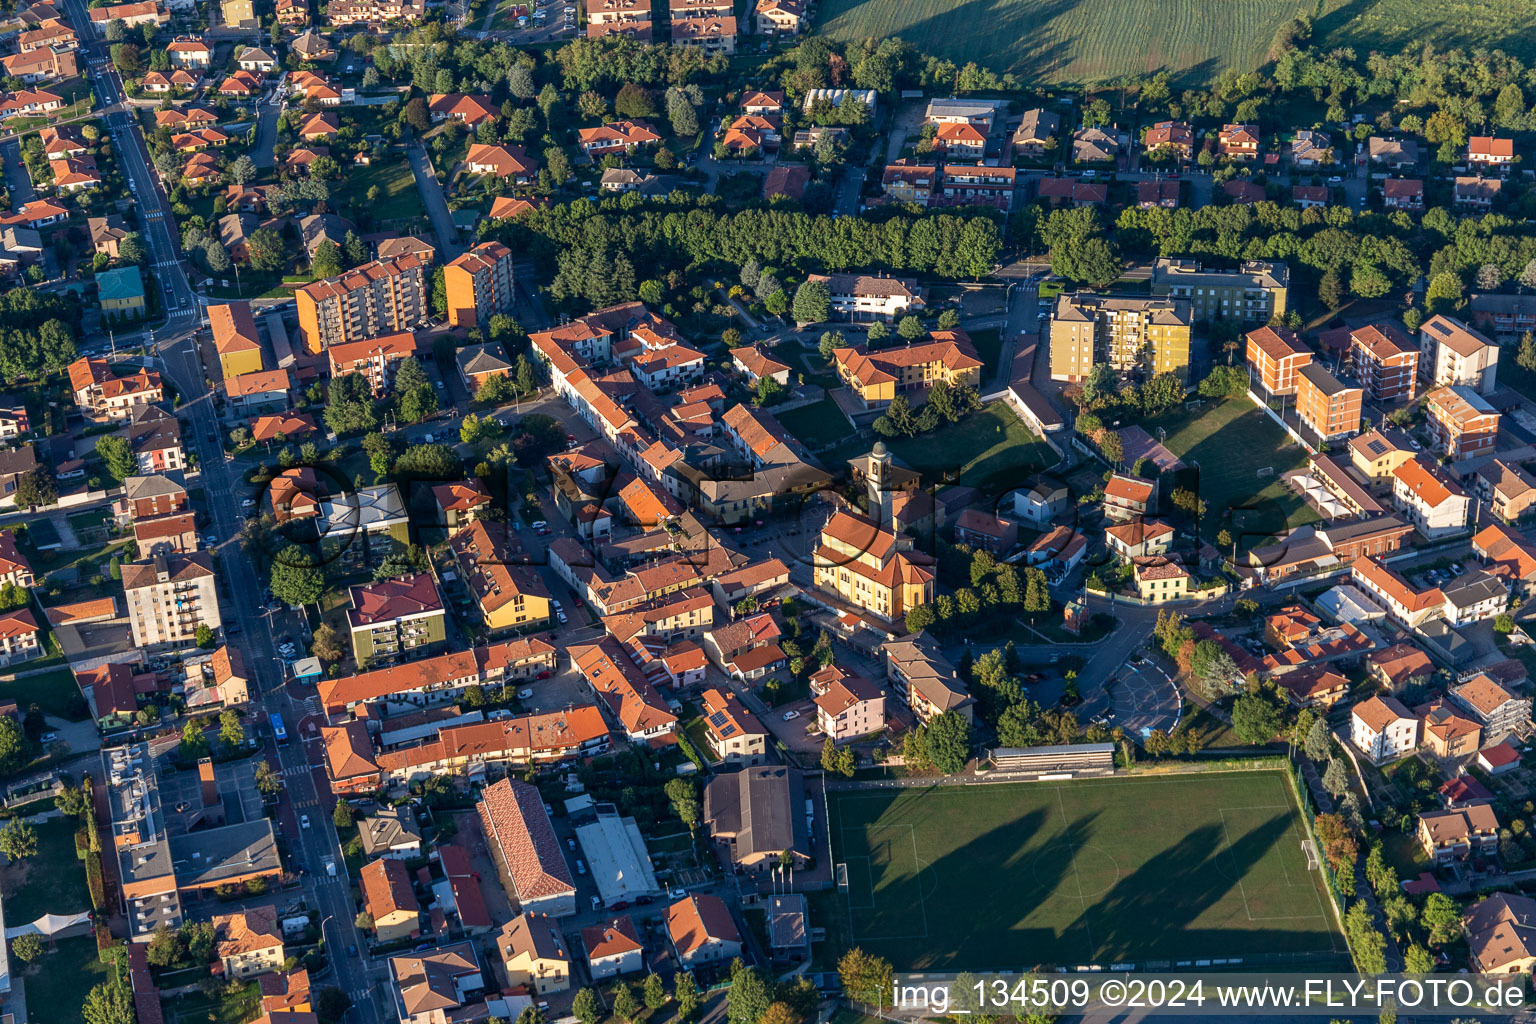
1142 698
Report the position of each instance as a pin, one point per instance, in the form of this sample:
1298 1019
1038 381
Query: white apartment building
1383 730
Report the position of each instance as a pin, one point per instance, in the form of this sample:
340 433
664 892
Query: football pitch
1008 877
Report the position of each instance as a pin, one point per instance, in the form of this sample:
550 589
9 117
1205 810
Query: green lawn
53 691
1094 42
820 423
52 882
1094 871
238 1007
1231 443
398 198
991 450
56 991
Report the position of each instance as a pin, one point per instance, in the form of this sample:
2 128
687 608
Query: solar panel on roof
717 719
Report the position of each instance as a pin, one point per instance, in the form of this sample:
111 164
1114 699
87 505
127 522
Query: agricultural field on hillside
1098 40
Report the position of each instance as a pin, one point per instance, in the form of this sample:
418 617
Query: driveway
436 203
17 180
266 133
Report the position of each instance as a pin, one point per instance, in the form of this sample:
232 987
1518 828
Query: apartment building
1405 605
168 597
480 284
1377 454
235 338
1383 730
1274 357
102 395
509 596
850 707
247 942
396 618
375 13
871 568
867 297
1435 503
1450 352
1385 361
1509 490
1256 292
382 297
878 377
605 17
1462 422
1149 335
374 358
734 733
1325 405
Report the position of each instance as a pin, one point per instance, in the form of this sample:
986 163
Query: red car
543 675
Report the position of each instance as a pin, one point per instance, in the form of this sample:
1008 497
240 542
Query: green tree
204 636
686 993
813 302
655 993
332 1003
231 732
18 839
267 251
194 744
326 261
1336 778
268 781
108 1003
36 489
1442 917
1256 718
866 978
28 947
625 1005
341 817
1444 293
295 579
1418 960
13 746
828 755
684 798
586 1008
948 740
165 947
747 997
531 1015
1504 623
1318 743
877 332
910 328
1525 358
364 921
117 456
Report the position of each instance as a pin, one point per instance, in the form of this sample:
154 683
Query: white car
790 716
524 694
303 821
248 503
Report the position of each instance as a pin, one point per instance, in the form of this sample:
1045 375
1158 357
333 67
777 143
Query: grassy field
817 424
1230 443
51 882
1087 42
1096 871
53 691
62 979
991 450
398 198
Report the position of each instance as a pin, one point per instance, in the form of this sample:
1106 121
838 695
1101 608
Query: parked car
791 715
524 694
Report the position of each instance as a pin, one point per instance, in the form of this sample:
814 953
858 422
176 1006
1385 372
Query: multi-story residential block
375 13
1435 503
1462 422
534 954
1160 579
1498 711
878 377
480 284
509 596
1404 604
1256 292
711 34
390 900
395 618
42 64
1377 453
1383 730
631 17
1509 490
1128 497
1444 732
248 942
871 568
1325 405
1274 356
382 297
1450 352
734 733
168 597
1473 597
1459 833
1385 361
375 358
235 338
865 297
780 17
102 395
526 850
926 680
908 182
850 707
1149 335
1507 316
975 185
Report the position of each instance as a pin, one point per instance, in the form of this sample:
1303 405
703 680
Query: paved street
431 190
